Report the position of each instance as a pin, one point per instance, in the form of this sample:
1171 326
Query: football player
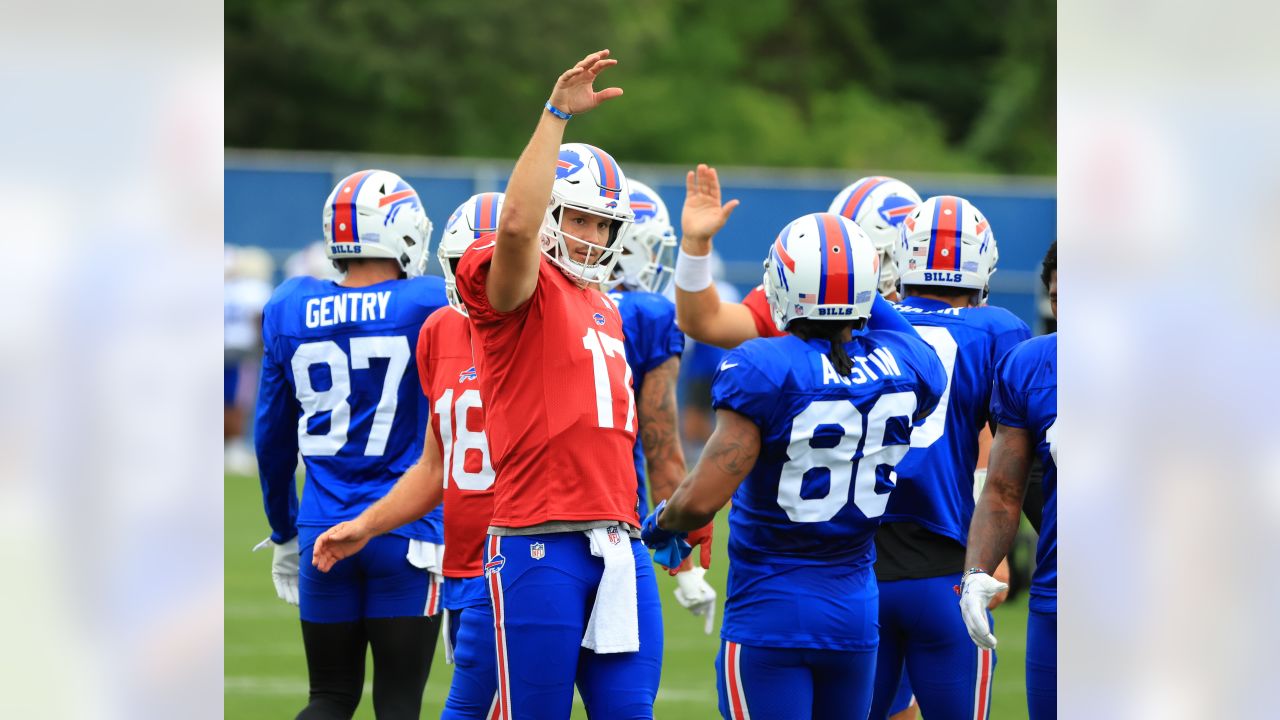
944 259
808 428
654 344
1024 404
573 592
456 469
339 386
870 202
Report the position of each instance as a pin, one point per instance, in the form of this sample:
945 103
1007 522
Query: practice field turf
266 676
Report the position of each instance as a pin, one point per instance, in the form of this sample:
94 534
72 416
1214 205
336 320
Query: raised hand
703 215
574 92
340 541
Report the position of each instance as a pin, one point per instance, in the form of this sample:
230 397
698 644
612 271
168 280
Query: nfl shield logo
614 537
537 551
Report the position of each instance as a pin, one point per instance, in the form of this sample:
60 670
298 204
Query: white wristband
693 272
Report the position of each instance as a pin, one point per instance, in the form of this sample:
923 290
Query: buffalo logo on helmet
895 209
644 207
400 197
454 218
568 164
611 204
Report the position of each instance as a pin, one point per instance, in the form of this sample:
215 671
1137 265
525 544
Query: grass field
266 676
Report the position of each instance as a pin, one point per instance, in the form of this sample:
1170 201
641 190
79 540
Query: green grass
266 674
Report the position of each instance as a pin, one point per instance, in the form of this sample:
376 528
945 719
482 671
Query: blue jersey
339 384
935 479
651 338
803 520
1026 396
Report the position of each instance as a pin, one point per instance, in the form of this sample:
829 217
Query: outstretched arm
514 272
729 456
699 311
415 494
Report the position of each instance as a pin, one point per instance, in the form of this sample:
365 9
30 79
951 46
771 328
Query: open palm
575 92
703 215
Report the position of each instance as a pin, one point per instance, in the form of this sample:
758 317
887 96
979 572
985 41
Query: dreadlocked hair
1050 265
832 331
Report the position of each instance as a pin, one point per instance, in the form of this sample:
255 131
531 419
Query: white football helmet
587 179
822 267
946 241
648 244
473 219
376 214
878 205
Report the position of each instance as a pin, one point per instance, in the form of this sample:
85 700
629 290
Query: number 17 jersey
559 409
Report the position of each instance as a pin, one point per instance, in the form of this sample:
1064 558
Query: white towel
429 557
614 625
448 642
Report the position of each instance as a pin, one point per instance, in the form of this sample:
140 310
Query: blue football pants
764 683
1042 665
473 694
921 627
543 588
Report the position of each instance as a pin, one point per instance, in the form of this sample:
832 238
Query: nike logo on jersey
726 365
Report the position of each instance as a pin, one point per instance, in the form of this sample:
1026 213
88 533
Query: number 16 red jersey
557 392
448 376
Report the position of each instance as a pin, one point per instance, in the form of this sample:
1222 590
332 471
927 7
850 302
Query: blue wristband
557 111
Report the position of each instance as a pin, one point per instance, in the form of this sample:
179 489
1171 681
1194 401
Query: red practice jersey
557 391
457 420
758 304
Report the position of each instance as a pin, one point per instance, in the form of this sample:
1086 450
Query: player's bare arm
701 314
658 429
415 494
514 272
729 456
995 520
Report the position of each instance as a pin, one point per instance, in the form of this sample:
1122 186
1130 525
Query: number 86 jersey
803 520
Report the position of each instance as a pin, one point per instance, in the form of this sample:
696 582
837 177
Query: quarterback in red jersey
573 591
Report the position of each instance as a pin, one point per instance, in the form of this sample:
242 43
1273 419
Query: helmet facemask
598 264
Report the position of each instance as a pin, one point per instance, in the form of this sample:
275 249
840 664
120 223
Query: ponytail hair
832 331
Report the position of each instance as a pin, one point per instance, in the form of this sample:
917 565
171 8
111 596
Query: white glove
975 595
284 568
695 595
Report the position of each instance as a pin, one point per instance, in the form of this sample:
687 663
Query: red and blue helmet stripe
343 227
486 217
944 234
859 196
835 284
610 174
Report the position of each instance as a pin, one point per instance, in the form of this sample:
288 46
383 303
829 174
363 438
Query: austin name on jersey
864 368
347 307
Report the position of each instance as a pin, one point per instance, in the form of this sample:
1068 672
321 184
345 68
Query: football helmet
822 266
587 179
648 244
376 214
878 205
473 219
946 241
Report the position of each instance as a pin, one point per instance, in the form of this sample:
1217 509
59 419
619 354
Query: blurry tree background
949 86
